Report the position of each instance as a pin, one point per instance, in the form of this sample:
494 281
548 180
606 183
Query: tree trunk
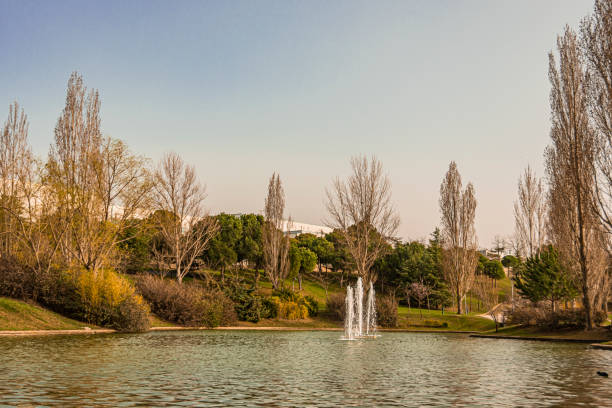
458 302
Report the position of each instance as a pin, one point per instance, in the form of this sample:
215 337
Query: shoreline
22 333
535 338
594 343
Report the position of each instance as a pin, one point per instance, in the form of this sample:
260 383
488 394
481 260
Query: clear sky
245 88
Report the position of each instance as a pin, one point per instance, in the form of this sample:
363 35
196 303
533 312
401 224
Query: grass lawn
156 321
434 319
19 315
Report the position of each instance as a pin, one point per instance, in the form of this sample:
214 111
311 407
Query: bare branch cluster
458 208
275 241
185 227
574 226
361 208
529 214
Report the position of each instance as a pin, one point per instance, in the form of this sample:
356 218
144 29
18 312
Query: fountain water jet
371 312
359 306
349 312
354 321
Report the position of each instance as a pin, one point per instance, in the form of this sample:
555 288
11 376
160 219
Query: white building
296 228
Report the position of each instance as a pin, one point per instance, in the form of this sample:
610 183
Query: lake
261 368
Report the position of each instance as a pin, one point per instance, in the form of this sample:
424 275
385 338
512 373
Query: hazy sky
245 88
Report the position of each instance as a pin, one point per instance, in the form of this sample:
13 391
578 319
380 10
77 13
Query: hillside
19 315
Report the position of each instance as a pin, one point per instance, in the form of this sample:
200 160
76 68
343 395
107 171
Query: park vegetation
100 234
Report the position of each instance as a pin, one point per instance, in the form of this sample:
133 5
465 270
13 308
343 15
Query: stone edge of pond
549 339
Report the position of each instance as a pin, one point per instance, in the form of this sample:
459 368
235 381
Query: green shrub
293 306
386 311
249 307
286 295
269 309
288 309
218 310
312 305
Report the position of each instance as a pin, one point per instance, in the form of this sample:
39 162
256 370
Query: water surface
258 368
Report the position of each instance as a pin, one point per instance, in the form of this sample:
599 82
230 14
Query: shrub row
283 304
294 306
544 317
187 304
103 298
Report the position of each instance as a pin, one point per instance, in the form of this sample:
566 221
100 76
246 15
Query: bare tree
597 45
570 161
98 184
529 214
361 209
458 208
182 222
15 154
275 241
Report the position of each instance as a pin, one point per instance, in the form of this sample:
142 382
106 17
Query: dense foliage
103 298
414 262
543 277
188 304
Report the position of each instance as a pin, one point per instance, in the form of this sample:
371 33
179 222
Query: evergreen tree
543 278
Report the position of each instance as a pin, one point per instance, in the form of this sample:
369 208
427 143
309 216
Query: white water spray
349 312
359 306
371 312
354 319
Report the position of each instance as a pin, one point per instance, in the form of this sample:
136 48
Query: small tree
302 260
458 208
183 225
529 213
361 209
494 270
221 251
419 291
544 278
275 241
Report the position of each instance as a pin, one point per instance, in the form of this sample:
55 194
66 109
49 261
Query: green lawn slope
19 315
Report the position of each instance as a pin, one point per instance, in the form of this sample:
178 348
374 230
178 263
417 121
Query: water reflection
298 369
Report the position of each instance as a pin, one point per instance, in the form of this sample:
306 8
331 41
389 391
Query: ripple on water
218 368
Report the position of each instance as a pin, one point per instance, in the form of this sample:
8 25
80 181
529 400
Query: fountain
354 320
349 312
359 306
371 312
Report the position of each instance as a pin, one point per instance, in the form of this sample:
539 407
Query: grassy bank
419 319
18 315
